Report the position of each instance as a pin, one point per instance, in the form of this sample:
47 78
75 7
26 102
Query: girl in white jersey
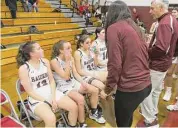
86 64
66 78
99 46
37 79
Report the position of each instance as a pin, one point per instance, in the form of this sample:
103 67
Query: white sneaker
167 95
97 117
83 126
174 76
172 107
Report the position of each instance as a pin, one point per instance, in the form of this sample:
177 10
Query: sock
99 108
71 125
93 110
81 124
168 88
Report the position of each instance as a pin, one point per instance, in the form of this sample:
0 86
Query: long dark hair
98 30
23 54
119 11
81 40
57 47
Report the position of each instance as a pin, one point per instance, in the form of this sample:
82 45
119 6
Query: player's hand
67 55
84 85
103 95
54 105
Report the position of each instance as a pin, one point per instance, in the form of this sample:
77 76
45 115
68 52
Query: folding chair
9 121
20 90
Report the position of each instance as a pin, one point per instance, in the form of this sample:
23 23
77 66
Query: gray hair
162 3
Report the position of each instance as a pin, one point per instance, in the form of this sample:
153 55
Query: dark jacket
12 4
176 50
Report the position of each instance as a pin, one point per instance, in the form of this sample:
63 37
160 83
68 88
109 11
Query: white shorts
175 60
74 85
99 75
34 103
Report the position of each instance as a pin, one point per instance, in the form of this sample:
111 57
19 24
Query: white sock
169 89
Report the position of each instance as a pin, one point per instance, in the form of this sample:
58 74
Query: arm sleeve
114 57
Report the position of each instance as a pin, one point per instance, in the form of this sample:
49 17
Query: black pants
13 14
126 103
2 25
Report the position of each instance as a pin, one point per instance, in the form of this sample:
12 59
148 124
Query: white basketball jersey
87 61
61 83
39 80
102 57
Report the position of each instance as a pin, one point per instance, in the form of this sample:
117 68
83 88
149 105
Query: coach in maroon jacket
161 51
128 67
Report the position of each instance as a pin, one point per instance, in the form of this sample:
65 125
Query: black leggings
126 103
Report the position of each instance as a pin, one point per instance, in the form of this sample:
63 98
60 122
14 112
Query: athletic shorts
34 103
74 85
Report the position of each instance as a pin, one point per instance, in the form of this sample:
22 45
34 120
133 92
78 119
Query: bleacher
54 27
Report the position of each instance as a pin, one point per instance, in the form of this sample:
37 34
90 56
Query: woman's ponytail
23 54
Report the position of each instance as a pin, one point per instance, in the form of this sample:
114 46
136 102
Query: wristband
48 103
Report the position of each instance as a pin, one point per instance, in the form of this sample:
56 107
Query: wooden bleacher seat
44 27
30 21
31 15
14 39
20 9
23 38
41 4
56 34
10 30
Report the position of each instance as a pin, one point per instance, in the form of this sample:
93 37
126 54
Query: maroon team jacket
163 43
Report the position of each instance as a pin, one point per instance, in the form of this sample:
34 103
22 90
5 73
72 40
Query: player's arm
75 73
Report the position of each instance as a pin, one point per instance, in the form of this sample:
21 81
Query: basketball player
99 46
37 79
70 82
86 62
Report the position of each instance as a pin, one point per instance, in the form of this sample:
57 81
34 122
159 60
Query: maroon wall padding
144 15
143 12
